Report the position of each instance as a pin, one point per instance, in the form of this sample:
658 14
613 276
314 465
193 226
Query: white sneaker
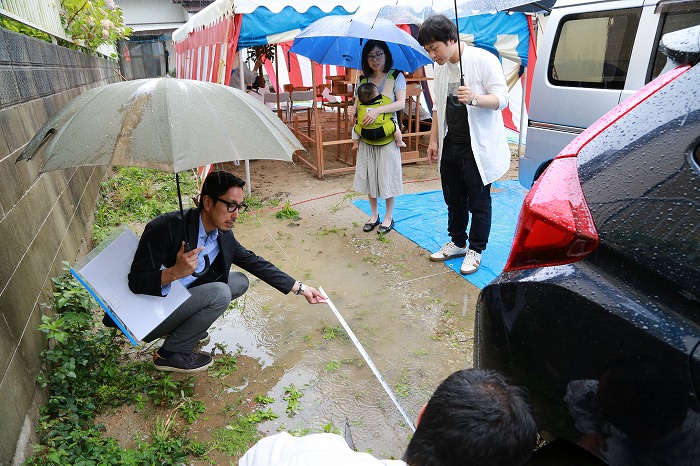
448 251
471 263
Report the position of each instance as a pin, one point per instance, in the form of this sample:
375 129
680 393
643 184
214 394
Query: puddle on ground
413 317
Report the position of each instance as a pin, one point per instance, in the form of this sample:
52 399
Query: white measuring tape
368 360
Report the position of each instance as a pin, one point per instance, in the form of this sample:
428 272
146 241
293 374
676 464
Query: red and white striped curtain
207 54
296 70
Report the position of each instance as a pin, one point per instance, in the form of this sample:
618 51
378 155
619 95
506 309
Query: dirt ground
327 247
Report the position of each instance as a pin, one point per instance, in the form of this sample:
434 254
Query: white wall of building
152 15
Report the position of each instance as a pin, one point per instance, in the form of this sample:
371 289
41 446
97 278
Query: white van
592 56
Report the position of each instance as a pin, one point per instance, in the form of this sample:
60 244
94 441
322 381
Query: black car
597 312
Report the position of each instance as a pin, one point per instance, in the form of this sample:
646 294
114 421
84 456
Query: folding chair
302 102
284 110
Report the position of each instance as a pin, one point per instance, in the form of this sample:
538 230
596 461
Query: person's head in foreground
475 418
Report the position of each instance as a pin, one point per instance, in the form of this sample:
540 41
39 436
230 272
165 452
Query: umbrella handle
207 264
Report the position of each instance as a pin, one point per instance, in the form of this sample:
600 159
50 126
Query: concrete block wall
45 219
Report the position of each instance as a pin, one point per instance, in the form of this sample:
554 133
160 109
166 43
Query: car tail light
555 225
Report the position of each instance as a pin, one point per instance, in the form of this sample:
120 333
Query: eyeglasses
234 206
378 56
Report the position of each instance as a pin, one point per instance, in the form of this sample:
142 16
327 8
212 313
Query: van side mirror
681 47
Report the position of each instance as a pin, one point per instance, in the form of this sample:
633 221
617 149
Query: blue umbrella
338 40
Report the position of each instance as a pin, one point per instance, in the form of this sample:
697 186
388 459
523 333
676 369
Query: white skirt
378 170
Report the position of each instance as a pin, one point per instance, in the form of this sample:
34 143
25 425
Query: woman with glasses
378 168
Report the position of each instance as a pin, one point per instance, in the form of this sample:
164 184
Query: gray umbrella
163 123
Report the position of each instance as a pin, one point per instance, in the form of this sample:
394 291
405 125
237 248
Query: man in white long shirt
469 139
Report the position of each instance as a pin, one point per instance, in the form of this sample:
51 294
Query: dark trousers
189 322
465 194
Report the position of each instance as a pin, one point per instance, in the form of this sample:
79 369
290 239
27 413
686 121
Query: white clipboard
104 273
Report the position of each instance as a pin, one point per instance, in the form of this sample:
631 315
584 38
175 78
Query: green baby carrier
381 131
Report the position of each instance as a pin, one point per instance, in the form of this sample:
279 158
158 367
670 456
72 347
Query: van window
593 49
671 22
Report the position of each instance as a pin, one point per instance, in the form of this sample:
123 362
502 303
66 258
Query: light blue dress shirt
211 247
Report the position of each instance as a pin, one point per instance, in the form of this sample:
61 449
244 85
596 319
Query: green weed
223 366
291 396
383 238
85 375
333 231
190 410
337 207
265 400
402 387
166 391
260 416
332 366
329 333
287 213
253 202
236 437
331 429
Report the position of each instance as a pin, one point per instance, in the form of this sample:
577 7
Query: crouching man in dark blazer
160 259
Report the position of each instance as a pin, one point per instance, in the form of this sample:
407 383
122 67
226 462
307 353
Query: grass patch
236 437
329 333
333 231
133 194
332 366
287 213
88 373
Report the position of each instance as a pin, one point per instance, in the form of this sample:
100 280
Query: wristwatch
474 102
301 289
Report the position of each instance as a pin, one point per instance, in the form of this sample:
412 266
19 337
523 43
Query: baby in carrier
384 128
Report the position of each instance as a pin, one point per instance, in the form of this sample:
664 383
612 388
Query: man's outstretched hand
312 295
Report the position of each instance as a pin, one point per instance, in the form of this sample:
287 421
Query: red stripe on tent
270 70
233 32
295 76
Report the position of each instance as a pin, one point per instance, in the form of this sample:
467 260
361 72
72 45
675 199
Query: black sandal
382 230
369 226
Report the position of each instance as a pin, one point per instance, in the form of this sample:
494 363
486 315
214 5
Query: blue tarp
422 218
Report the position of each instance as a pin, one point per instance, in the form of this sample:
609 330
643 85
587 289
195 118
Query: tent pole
522 111
243 88
247 175
277 80
316 129
240 70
